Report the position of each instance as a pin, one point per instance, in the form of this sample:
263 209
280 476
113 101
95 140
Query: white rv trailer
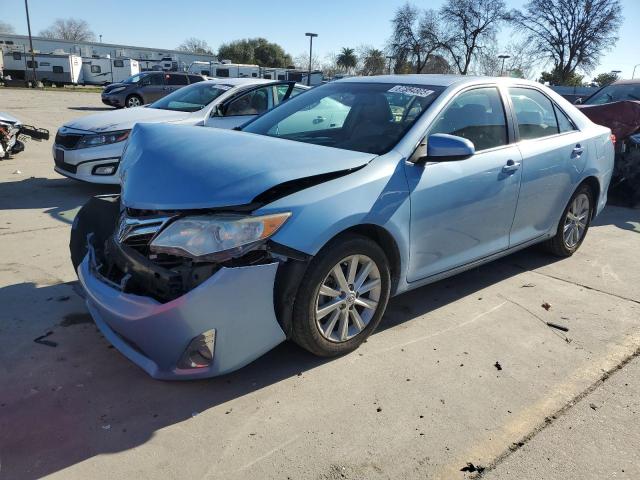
60 69
225 69
105 70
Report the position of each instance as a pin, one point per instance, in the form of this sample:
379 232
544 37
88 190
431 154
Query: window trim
507 117
553 103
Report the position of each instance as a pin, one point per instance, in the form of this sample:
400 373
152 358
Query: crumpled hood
124 119
6 117
174 167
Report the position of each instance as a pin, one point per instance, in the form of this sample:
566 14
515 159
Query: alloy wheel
134 102
348 298
576 221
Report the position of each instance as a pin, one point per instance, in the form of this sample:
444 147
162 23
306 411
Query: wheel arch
593 183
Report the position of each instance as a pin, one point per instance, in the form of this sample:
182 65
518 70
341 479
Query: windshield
192 98
365 117
134 78
615 93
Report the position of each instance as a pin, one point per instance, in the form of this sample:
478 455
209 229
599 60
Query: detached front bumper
236 302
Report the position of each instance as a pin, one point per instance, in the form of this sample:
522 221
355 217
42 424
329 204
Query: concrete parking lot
462 374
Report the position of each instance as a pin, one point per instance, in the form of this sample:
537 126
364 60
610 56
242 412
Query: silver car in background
90 147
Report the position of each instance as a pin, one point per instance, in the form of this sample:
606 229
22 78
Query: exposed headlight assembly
216 237
103 139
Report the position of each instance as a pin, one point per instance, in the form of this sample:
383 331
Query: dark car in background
146 87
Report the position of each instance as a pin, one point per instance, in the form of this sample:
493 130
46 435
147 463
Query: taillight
613 138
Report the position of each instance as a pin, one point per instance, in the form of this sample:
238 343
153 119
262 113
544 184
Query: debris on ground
106 427
558 327
17 172
528 285
546 306
379 409
41 340
470 467
498 366
593 406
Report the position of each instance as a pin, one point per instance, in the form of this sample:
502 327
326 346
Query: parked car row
90 148
303 221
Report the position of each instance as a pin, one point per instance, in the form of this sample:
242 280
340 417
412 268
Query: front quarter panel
377 194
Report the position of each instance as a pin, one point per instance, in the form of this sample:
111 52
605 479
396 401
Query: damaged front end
181 315
14 134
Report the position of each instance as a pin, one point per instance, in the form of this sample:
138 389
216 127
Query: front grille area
67 141
67 167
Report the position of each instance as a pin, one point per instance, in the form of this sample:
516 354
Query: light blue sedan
301 226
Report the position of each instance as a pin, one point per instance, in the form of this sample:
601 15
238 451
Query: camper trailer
54 68
105 70
225 69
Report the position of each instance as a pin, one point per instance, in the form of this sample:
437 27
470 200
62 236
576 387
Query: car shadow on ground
81 398
624 218
59 197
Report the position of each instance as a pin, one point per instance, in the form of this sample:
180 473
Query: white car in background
90 147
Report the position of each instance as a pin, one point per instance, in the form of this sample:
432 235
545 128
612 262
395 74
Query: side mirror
578 101
441 147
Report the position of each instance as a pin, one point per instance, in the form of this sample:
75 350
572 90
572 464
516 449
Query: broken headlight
216 237
103 139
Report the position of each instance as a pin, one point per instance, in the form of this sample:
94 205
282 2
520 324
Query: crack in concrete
550 420
621 297
33 230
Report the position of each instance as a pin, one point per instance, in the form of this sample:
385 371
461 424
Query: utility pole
33 58
389 57
311 36
503 57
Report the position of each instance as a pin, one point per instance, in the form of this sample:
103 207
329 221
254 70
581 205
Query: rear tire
335 312
574 224
133 101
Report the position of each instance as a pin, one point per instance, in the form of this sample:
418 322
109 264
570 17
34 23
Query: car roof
436 80
628 81
240 81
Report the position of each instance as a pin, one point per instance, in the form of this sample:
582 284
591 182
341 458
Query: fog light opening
199 353
105 169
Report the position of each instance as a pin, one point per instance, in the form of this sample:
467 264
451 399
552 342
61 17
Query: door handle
511 166
577 151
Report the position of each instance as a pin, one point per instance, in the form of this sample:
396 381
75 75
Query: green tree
605 79
347 59
373 62
557 77
255 51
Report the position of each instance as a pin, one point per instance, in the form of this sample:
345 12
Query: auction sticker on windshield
416 91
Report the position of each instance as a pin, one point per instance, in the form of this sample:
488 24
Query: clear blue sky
340 23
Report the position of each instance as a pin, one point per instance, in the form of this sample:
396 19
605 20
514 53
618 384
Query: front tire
342 296
574 223
133 101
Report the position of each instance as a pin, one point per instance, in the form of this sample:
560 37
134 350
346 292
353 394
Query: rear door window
157 79
176 79
477 115
564 123
534 113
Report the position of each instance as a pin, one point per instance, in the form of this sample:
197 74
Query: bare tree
195 45
6 27
302 61
470 24
521 62
571 33
69 29
415 36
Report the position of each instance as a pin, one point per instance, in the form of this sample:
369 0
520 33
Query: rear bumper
236 302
